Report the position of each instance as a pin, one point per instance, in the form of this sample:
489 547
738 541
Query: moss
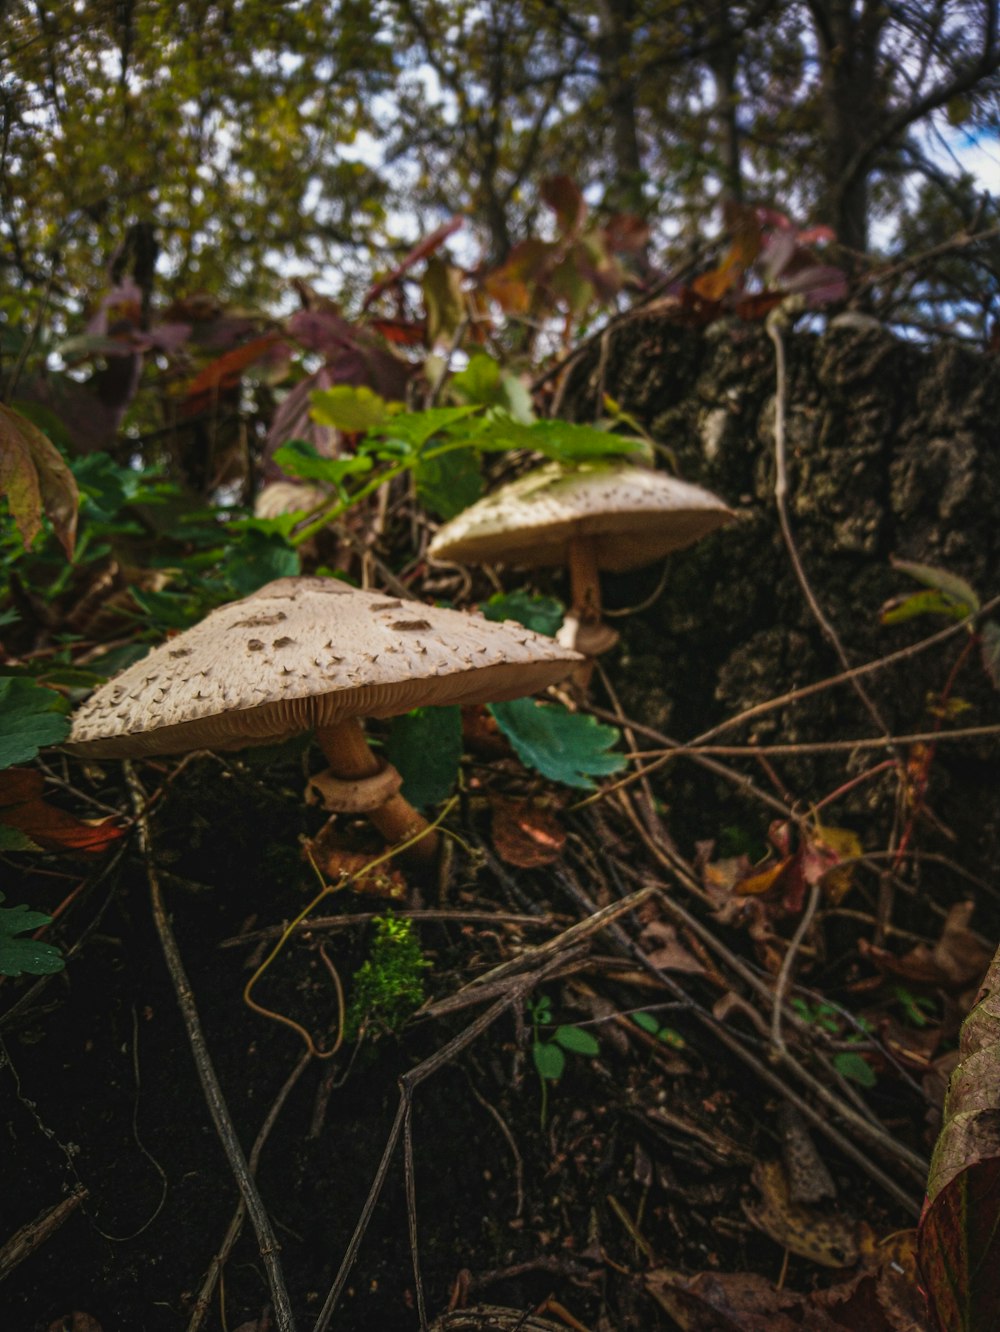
390 985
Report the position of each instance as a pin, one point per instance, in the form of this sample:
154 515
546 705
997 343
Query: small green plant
850 1064
390 985
667 1035
548 1052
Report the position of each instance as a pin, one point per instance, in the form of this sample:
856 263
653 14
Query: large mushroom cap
302 653
635 515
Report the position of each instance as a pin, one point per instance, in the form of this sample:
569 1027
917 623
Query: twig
32 1236
741 1050
266 1239
784 977
218 1263
366 917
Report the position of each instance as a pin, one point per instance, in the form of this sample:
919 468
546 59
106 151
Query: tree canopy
321 137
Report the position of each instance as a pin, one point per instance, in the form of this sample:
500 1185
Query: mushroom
597 516
315 654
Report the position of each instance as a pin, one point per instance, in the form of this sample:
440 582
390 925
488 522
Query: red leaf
52 829
226 371
563 196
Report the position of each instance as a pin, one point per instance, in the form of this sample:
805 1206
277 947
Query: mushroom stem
350 758
584 580
583 629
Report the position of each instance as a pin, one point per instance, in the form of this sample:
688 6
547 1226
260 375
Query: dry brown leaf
334 863
665 950
525 834
829 1240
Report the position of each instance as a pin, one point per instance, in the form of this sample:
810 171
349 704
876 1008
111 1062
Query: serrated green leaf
543 615
577 1041
13 839
562 441
349 408
930 602
990 644
549 1060
299 458
31 717
567 747
484 383
856 1068
449 483
948 584
425 746
30 955
414 429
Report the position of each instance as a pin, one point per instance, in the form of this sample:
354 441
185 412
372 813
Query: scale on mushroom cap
306 654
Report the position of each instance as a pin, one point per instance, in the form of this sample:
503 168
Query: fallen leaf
75 1322
354 870
48 827
829 1240
525 834
958 1237
665 951
954 964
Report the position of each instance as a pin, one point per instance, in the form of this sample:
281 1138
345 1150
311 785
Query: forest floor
696 1139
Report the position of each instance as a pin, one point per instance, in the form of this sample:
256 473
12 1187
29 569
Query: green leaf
416 428
13 839
299 458
426 747
444 299
30 955
484 383
449 483
349 408
549 1060
931 602
567 747
543 615
31 717
562 441
256 559
577 1040
990 646
856 1068
647 1022
948 584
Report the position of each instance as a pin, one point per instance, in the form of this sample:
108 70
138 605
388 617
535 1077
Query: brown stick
31 1236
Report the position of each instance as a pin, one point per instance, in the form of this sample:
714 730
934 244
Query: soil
102 1092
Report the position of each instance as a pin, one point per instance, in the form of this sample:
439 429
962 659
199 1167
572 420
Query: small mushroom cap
636 515
303 653
281 497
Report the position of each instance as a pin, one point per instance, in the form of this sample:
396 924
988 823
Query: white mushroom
597 516
314 654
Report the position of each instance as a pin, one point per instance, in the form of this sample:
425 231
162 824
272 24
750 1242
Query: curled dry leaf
956 962
665 950
882 1297
825 1239
354 871
958 1239
526 834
